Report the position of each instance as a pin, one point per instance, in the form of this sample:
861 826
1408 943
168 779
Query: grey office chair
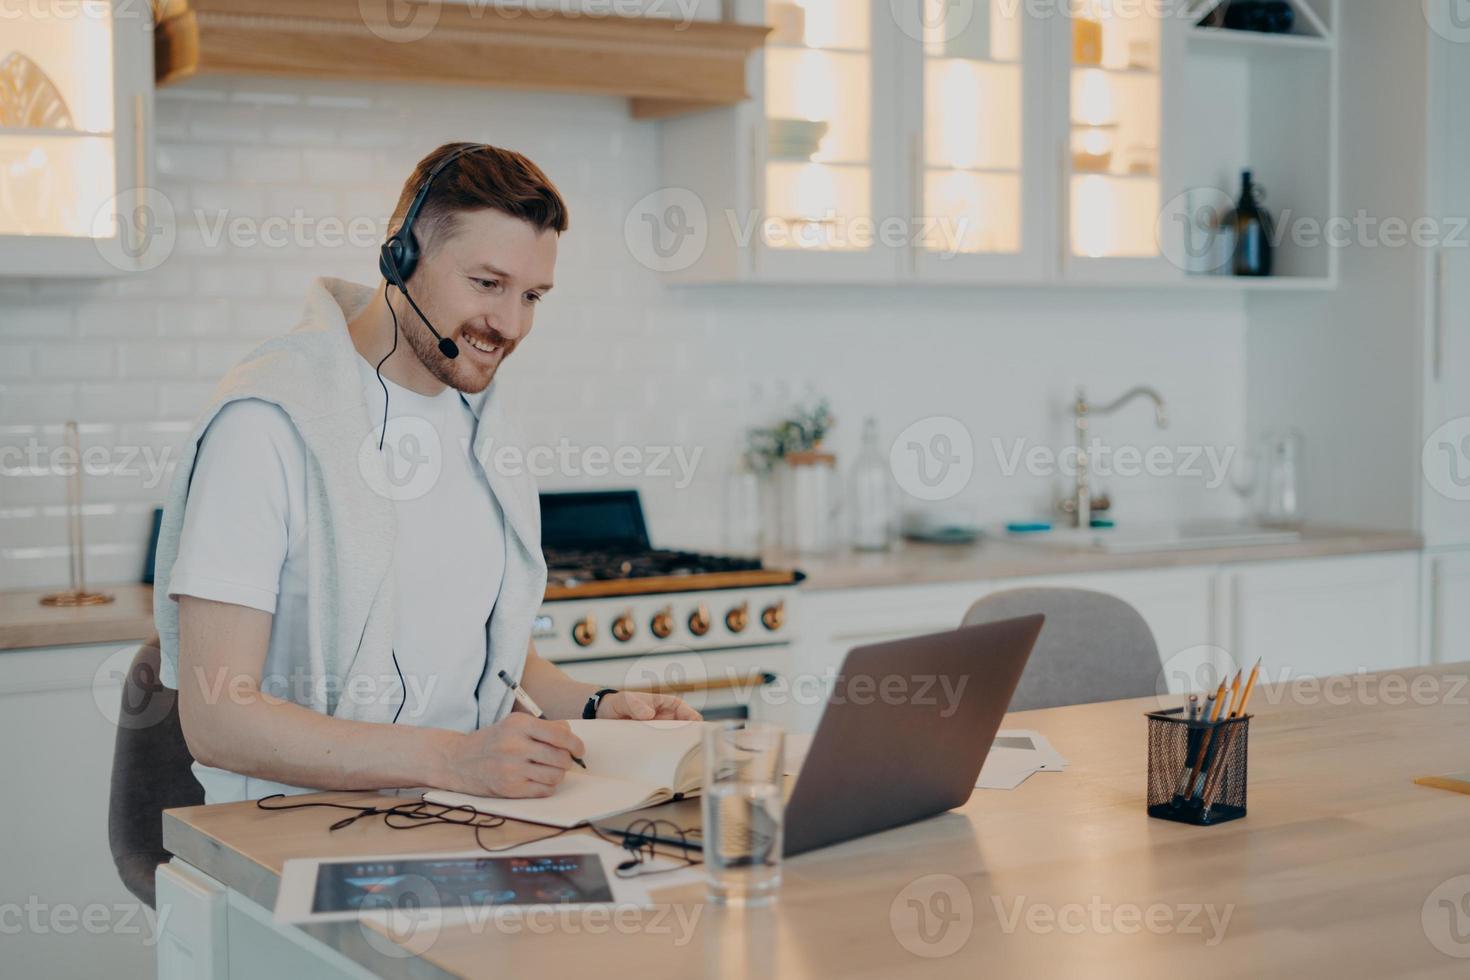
1093 647
150 773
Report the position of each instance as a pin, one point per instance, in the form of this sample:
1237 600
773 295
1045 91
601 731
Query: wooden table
1342 868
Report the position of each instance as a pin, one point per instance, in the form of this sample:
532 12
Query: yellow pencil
1235 693
1250 685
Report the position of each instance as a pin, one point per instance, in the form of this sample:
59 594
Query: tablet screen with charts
544 879
461 885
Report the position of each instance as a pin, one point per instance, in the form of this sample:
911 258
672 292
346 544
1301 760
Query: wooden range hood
664 67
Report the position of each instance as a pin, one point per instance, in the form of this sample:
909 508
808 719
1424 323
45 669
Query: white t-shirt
244 542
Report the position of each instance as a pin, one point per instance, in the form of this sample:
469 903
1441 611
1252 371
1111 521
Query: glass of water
742 806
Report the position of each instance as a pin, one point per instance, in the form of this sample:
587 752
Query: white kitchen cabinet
928 141
1324 616
57 711
1176 603
1447 606
973 80
75 140
790 185
1304 618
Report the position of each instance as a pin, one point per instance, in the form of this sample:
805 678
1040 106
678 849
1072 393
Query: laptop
903 737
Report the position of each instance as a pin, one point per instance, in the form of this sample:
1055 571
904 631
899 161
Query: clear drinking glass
743 812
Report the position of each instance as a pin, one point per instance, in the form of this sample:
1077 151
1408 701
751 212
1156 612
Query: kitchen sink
1160 537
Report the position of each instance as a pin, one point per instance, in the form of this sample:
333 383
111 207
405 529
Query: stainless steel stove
618 612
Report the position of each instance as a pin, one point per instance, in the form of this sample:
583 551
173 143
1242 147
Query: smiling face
479 281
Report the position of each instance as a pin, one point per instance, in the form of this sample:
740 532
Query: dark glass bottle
1253 232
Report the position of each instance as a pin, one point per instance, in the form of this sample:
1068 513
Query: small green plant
803 431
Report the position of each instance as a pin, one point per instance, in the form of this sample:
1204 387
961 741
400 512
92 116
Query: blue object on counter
1103 523
1021 527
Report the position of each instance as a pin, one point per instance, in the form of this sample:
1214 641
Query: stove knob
622 627
662 623
773 617
584 633
738 617
699 620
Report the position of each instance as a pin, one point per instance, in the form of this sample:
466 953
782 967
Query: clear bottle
871 494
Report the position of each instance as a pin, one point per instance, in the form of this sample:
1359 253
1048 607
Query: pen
1216 703
524 700
1194 707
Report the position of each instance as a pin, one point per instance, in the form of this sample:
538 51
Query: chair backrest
1093 647
150 773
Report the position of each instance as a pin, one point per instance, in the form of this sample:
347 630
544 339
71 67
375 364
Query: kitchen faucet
1080 504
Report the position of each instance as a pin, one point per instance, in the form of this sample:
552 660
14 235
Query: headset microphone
388 261
399 255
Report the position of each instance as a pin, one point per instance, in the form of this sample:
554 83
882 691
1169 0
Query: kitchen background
618 357
1363 348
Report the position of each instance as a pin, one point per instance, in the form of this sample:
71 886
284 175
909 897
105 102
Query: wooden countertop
1333 872
26 623
992 558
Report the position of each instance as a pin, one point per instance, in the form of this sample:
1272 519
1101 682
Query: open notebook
630 765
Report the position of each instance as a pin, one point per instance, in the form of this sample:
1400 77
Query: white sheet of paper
1014 756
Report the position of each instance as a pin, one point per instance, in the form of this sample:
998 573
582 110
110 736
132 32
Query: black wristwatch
589 710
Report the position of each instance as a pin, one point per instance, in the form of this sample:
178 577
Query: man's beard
446 370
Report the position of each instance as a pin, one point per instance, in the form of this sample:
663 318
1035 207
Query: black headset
399 256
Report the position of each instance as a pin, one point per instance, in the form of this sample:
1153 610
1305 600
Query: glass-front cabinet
76 83
1112 162
977 168
995 141
825 175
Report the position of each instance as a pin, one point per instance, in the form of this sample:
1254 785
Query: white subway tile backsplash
154 360
192 160
226 123
71 361
265 165
115 319
116 401
338 167
20 320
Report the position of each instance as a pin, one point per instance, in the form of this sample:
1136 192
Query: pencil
1250 685
1212 785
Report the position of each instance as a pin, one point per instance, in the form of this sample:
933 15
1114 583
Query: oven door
716 683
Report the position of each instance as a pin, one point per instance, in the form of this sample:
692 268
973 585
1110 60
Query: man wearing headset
349 558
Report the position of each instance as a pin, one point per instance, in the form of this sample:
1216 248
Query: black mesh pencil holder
1197 770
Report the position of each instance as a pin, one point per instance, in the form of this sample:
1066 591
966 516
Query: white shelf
1256 44
1263 284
